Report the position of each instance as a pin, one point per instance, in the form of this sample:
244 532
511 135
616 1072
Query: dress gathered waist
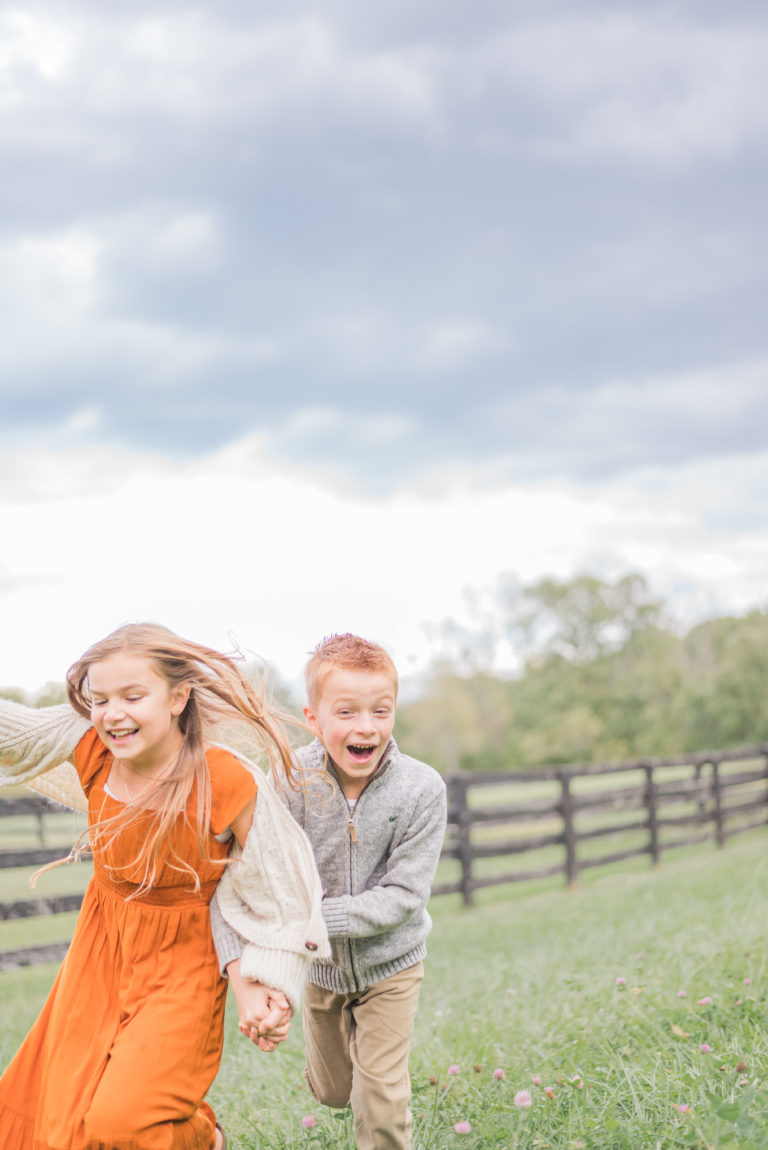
171 896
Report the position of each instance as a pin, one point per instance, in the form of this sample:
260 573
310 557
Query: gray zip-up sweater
376 866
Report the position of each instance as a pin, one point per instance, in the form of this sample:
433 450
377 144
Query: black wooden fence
559 816
563 820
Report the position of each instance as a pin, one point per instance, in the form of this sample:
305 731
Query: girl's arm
264 1012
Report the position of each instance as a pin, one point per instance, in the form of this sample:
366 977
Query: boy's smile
353 718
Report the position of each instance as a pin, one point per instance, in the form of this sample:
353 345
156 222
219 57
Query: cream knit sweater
270 895
36 747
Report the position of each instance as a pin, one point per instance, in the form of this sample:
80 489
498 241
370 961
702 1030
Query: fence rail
565 819
641 807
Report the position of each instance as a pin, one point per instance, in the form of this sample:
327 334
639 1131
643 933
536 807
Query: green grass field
575 997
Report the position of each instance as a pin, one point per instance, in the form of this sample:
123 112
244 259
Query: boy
376 820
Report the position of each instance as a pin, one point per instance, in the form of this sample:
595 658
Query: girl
130 1038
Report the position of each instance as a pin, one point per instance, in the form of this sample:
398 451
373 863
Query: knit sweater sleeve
405 886
270 895
34 740
229 944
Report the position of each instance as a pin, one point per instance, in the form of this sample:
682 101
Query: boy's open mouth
361 751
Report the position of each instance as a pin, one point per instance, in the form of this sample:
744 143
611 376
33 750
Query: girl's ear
179 699
312 722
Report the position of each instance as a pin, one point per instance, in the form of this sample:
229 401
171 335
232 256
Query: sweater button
311 945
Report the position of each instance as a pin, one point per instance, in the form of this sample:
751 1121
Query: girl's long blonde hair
219 693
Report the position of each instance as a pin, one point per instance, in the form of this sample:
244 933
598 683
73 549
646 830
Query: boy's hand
264 1012
275 1025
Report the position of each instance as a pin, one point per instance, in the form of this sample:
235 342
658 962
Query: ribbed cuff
335 915
282 969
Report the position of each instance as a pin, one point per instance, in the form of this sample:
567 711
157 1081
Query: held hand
275 1025
264 1012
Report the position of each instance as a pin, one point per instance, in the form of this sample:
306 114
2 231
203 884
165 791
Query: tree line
603 673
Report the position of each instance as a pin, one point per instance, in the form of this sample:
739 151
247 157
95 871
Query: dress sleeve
232 788
90 755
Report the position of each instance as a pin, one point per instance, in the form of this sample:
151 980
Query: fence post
653 822
569 831
463 819
40 827
717 795
700 802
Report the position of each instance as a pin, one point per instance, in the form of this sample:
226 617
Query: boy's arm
37 746
270 900
229 944
405 886
34 739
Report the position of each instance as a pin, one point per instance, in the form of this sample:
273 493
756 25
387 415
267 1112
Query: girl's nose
114 710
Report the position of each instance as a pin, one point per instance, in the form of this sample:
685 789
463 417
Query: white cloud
239 545
84 420
617 426
440 255
454 345
182 239
197 68
52 276
646 89
699 405
28 41
379 343
56 293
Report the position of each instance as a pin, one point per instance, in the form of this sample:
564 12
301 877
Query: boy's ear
311 721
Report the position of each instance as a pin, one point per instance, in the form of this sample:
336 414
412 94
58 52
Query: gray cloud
485 235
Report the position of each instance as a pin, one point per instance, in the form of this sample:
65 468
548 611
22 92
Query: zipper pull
352 831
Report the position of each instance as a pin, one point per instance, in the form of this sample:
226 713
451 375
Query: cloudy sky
313 316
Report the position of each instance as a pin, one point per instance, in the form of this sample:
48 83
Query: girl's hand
275 1025
264 1012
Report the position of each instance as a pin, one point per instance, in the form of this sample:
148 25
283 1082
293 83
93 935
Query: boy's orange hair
347 651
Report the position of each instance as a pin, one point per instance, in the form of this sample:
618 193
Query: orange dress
130 1037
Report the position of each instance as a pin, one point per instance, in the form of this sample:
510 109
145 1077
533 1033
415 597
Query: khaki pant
357 1052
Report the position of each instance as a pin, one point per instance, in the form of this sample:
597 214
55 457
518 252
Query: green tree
583 617
602 676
